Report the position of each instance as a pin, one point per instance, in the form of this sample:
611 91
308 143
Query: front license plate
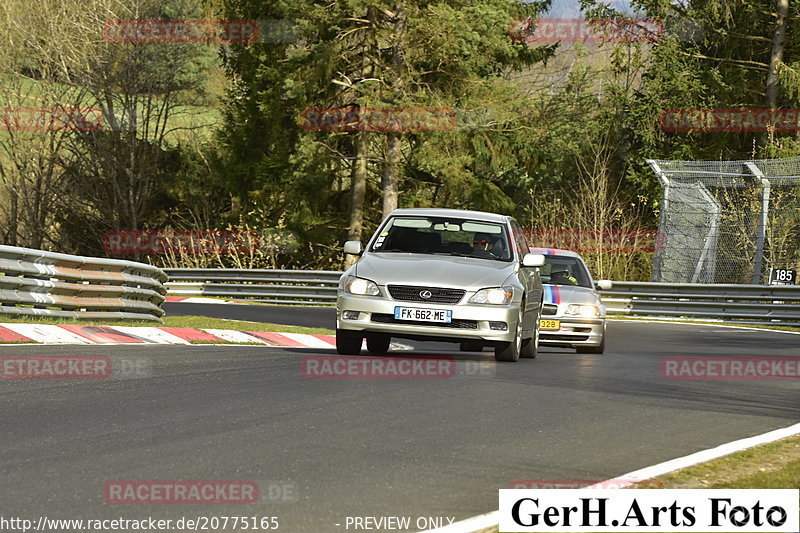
549 324
423 315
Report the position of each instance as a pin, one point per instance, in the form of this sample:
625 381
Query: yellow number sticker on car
549 324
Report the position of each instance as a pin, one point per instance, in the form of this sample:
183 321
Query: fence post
762 224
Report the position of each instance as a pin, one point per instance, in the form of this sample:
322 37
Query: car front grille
455 324
549 310
439 295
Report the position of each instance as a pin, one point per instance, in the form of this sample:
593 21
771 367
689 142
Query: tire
348 342
471 346
377 343
600 348
530 347
509 352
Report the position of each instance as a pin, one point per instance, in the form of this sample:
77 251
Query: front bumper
469 322
573 332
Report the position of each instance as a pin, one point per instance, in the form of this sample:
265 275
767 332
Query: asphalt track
311 317
369 447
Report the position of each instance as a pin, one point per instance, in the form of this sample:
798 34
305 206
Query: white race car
572 315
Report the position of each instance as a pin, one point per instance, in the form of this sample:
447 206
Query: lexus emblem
425 295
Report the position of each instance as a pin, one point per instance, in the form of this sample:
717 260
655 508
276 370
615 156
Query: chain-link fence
727 221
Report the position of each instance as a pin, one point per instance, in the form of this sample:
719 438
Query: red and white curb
79 334
490 521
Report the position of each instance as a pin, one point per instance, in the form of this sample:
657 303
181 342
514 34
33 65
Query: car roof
554 251
455 213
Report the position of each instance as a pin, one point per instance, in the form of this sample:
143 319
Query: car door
528 276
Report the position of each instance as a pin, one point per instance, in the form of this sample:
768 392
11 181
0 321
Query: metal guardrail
774 304
756 304
266 286
38 283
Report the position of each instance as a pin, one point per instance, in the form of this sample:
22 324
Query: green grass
770 466
197 322
185 121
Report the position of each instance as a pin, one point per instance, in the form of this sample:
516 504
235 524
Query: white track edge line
710 324
488 520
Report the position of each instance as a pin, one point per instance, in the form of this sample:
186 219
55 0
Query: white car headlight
494 296
584 310
361 286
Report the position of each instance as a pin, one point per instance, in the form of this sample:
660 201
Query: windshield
445 236
564 270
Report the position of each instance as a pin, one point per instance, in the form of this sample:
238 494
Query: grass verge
775 465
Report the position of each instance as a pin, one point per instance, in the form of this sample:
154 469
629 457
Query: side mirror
352 247
603 284
533 260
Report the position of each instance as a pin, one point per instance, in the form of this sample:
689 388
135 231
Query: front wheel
377 343
509 352
600 348
530 347
348 342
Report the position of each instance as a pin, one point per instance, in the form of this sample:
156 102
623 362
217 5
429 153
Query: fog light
498 326
350 315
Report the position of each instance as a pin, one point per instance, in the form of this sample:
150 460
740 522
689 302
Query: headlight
494 296
584 310
361 286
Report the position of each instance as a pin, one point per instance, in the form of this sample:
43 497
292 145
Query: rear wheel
378 343
348 342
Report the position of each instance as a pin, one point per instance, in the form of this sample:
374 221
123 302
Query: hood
567 294
433 270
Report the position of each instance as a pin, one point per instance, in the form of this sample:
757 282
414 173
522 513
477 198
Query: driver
483 242
562 277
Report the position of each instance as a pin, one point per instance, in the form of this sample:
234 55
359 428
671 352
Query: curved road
370 447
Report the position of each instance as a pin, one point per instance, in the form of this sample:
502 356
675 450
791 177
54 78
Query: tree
366 55
114 176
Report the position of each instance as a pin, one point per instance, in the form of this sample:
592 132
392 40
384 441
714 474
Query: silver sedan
444 275
573 315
